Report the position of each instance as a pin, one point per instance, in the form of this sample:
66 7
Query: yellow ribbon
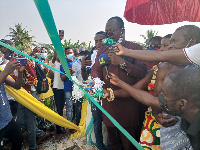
26 99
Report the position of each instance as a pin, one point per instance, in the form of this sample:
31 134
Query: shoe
43 129
5 141
43 138
61 130
72 131
52 127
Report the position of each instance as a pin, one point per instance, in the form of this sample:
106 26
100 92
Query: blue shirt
5 113
67 82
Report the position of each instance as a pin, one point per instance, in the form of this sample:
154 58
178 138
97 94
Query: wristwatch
123 66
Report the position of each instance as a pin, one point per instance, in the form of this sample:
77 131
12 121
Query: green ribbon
28 56
89 127
98 94
46 15
108 42
89 133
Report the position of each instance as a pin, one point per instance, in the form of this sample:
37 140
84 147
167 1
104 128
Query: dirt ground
58 142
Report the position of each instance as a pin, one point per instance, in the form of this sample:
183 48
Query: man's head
4 50
155 43
165 42
115 28
69 53
180 91
185 36
79 54
82 51
61 34
44 52
99 36
76 52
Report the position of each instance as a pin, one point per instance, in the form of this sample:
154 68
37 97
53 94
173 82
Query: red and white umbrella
156 12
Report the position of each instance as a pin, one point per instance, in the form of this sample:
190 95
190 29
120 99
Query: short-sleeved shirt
5 112
58 83
174 138
193 54
67 82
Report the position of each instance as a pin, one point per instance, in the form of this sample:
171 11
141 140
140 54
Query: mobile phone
61 32
89 55
22 61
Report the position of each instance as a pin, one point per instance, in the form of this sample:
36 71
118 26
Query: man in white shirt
58 86
76 67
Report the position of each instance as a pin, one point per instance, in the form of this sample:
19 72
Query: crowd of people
153 94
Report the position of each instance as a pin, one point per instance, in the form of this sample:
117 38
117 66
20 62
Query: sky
80 19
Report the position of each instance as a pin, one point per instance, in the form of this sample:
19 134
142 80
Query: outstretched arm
10 67
173 56
141 84
139 95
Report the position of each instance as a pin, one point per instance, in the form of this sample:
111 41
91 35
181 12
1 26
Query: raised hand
106 93
71 71
85 62
118 49
35 50
21 69
11 66
114 79
114 59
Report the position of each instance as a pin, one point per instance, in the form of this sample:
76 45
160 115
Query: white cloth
93 57
33 88
193 54
58 83
77 68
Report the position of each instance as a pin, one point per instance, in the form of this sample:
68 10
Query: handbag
42 85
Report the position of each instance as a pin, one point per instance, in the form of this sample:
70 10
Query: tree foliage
67 44
24 42
21 38
148 36
77 45
141 44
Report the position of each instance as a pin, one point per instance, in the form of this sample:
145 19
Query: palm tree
149 34
21 38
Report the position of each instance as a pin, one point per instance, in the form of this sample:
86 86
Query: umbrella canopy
156 12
